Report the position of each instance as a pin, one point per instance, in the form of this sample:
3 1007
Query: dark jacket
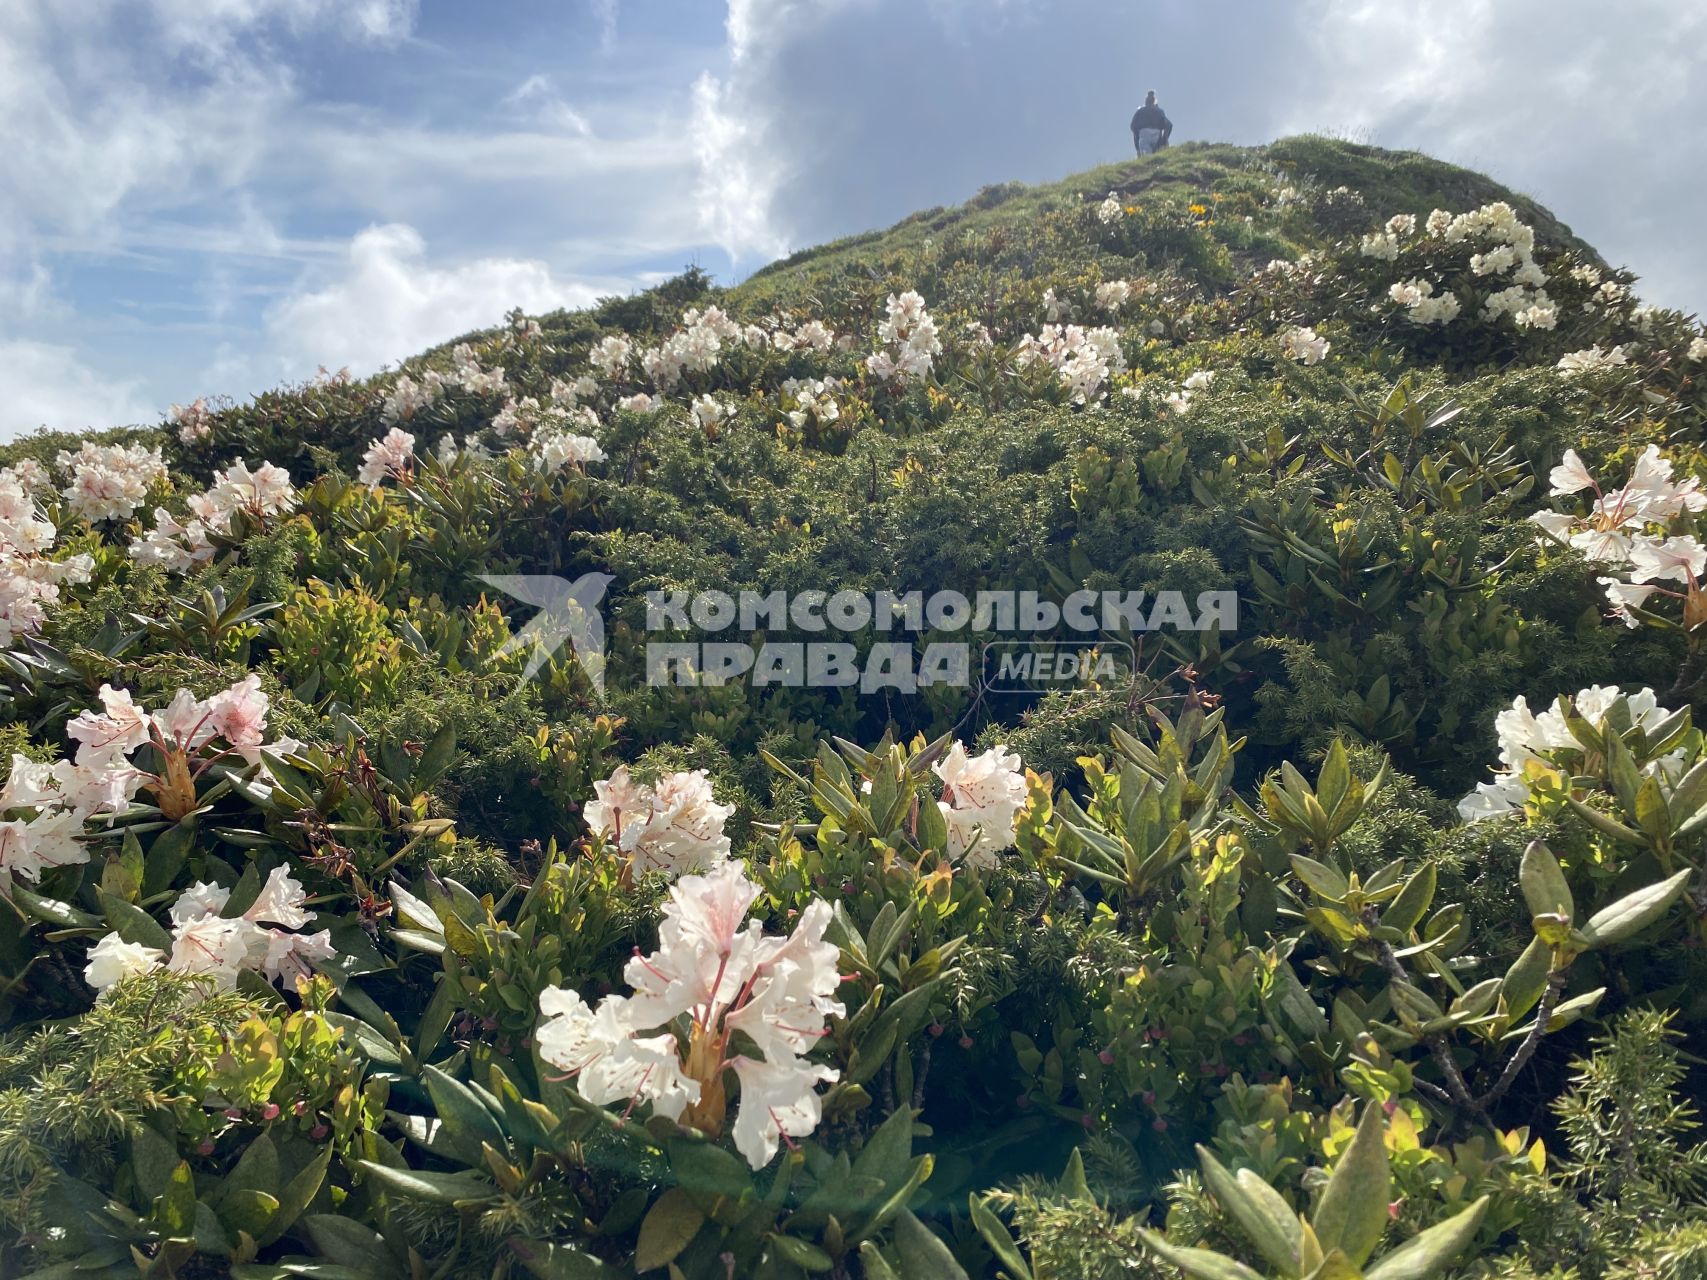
1152 117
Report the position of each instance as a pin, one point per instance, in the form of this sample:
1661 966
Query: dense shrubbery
347 935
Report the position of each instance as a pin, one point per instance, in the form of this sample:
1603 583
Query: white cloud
390 301
42 384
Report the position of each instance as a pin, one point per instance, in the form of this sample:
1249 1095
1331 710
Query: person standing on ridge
1151 127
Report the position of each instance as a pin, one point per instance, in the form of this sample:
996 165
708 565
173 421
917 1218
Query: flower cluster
29 579
49 802
193 421
814 400
393 456
1422 304
981 799
1085 358
1109 210
910 338
671 1042
673 827
552 451
261 938
694 348
1591 360
1630 529
1528 740
1502 252
259 494
408 397
109 482
1299 343
473 377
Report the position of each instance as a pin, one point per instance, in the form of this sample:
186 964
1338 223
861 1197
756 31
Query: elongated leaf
1427 1255
1634 912
1261 1215
666 1230
1545 889
1200 1264
1352 1214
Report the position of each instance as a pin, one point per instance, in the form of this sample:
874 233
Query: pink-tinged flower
240 716
392 456
674 827
723 975
119 728
1680 559
981 799
290 956
1570 476
280 901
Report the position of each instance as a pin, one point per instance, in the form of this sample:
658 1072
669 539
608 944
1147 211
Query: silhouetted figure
1151 127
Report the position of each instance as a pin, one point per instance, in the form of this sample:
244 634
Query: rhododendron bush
371 909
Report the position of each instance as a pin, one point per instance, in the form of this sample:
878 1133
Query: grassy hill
1385 894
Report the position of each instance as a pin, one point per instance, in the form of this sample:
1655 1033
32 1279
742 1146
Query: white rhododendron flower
1299 343
981 799
1109 210
194 422
408 397
1629 529
1525 737
218 947
911 338
1085 358
108 482
718 978
554 451
392 456
1591 360
1112 295
673 827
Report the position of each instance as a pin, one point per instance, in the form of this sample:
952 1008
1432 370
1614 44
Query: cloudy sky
210 196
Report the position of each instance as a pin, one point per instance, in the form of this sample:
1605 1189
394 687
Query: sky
210 197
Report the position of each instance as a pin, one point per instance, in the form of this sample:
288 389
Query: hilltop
1362 844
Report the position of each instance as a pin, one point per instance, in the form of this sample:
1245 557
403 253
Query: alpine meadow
570 806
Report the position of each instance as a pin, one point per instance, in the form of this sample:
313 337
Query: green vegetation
1364 938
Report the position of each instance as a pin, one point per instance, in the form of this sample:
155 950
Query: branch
1531 1042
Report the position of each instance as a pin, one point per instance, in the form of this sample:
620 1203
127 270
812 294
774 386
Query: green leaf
888 1152
466 1119
1427 1255
708 1170
438 1188
1545 889
1406 911
666 1230
873 1264
297 1195
802 1253
153 1158
921 1253
1634 912
1324 881
133 924
175 1209
1261 1214
998 1238
1352 1213
560 1262
1201 1264
344 1240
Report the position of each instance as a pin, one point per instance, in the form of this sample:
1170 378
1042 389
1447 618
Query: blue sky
212 196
